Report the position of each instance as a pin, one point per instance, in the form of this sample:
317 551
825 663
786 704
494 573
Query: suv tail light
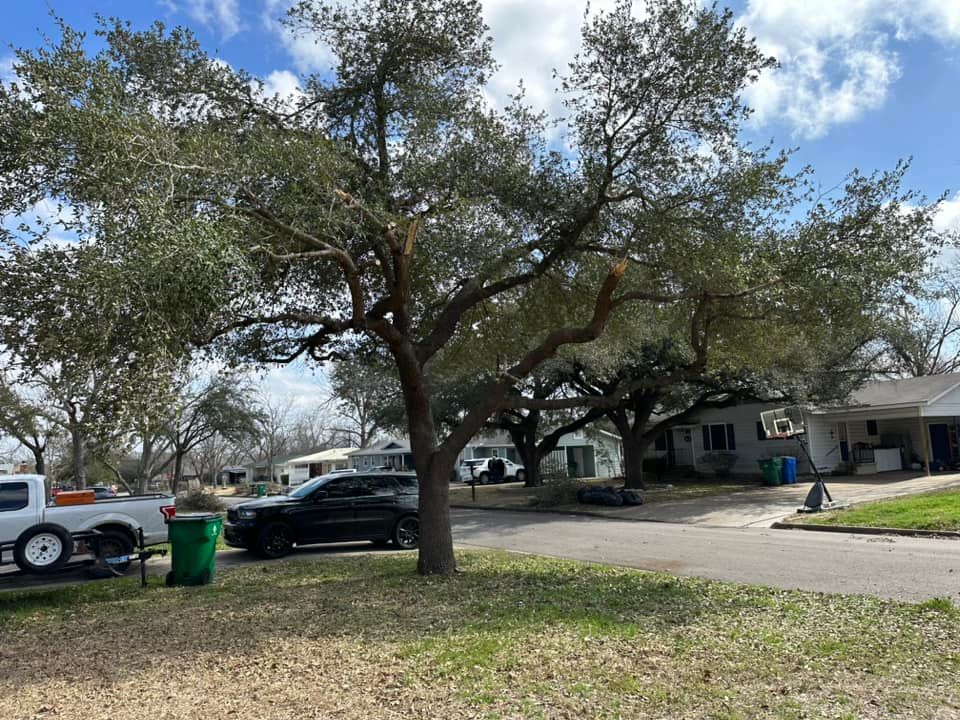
168 511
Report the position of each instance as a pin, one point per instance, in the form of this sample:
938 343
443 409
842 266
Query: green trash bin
193 541
770 469
261 489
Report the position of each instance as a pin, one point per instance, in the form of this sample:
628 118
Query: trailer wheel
112 544
43 549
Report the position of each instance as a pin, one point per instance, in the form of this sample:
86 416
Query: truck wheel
42 549
111 545
275 540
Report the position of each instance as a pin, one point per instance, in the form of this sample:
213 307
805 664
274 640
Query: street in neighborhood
892 567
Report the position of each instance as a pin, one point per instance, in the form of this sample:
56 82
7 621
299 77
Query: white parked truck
41 538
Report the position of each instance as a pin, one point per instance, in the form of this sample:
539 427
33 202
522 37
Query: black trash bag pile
609 496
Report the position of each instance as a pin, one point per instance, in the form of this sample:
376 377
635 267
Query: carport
889 426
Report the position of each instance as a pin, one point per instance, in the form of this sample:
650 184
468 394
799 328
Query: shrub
557 492
242 488
199 501
720 461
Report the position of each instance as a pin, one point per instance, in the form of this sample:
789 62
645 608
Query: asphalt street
912 569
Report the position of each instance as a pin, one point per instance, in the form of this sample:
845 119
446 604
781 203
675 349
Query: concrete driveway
761 507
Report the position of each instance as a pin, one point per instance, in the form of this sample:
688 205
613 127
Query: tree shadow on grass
79 633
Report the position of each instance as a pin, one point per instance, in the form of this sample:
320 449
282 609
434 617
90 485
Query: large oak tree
391 204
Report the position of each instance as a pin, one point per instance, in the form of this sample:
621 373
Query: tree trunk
177 473
633 452
38 462
523 435
433 471
79 450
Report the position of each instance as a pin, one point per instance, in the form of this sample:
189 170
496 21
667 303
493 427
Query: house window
761 433
719 437
872 427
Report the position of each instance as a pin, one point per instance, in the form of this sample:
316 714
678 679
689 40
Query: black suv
380 506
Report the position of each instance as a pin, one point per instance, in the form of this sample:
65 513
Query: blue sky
862 83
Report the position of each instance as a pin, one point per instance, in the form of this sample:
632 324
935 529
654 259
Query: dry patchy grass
509 637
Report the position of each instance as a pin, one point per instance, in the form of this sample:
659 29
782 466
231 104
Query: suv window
343 488
408 485
14 496
380 486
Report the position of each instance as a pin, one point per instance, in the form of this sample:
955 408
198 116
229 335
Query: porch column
924 438
693 449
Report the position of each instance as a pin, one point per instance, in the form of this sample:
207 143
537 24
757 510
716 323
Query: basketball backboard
783 422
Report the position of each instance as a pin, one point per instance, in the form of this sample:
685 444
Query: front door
940 443
844 445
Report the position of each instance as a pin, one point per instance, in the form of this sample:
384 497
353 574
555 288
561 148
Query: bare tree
923 338
273 428
21 419
223 405
359 392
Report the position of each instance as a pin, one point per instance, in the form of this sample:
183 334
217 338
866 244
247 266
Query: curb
550 511
859 530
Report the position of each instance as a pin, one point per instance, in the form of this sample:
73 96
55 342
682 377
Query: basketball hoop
784 424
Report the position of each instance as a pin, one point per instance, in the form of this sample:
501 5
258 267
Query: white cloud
948 218
837 58
303 384
221 15
281 82
308 53
530 41
6 69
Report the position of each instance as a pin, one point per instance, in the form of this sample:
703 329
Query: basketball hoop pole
816 473
785 423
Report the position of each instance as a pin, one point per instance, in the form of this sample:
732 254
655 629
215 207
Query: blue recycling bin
788 470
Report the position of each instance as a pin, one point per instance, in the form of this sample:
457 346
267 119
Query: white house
293 469
303 467
887 425
585 453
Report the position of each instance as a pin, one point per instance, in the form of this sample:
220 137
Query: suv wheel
275 540
484 478
521 475
406 534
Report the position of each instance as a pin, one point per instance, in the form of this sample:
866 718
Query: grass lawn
508 637
514 495
931 511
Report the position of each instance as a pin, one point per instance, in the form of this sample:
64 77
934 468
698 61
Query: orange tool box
74 497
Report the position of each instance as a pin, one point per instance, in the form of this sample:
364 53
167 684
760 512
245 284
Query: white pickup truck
41 538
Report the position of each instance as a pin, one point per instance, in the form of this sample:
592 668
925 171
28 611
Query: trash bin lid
195 517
